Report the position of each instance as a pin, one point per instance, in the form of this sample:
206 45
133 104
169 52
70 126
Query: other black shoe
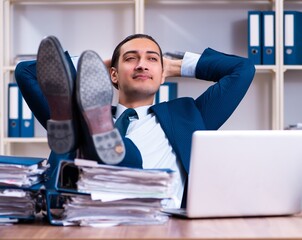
94 96
55 79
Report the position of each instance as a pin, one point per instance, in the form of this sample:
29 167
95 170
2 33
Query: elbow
20 70
24 70
249 69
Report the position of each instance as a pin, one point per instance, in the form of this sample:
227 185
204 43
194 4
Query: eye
154 59
130 58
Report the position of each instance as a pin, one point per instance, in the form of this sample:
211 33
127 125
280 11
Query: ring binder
292 38
268 45
13 110
254 36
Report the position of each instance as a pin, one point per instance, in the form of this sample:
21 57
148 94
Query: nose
141 65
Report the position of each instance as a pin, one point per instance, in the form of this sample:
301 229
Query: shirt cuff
189 63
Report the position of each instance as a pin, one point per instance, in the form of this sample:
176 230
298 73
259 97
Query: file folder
254 36
166 92
83 186
21 204
13 110
55 206
17 205
292 38
67 175
22 172
21 186
268 37
32 162
26 120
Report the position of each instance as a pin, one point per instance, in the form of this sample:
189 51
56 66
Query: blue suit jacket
179 118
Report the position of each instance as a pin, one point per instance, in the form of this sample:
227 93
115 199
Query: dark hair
117 50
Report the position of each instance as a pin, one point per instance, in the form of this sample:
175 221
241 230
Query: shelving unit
178 25
191 25
291 80
15 12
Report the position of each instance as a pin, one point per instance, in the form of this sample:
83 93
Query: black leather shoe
55 79
94 96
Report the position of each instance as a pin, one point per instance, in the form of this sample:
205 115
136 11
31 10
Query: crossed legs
80 111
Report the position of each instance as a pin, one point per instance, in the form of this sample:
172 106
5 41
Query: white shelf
266 68
9 68
12 11
25 140
291 67
209 1
82 2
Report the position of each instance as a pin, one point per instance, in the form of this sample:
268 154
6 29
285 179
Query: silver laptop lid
245 173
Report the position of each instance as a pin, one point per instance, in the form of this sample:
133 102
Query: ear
114 76
163 79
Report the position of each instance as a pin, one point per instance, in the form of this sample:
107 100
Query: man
159 136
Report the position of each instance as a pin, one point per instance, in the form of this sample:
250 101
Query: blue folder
32 201
20 160
268 38
13 110
166 92
67 175
292 38
29 162
36 197
254 36
26 119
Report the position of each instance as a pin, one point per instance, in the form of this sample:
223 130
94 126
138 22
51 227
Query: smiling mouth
142 76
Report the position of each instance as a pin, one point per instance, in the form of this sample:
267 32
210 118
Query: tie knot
123 121
130 112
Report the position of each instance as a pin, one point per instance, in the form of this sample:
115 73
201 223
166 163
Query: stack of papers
20 181
118 195
21 171
16 204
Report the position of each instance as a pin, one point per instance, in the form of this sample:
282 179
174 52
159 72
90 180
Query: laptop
244 173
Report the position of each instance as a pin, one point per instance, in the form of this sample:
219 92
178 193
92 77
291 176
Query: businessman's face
139 71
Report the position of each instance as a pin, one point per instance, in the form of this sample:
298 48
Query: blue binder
65 178
26 119
166 92
268 38
20 160
29 166
292 38
254 36
34 164
13 110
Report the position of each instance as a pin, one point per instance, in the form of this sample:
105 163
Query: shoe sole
55 80
94 96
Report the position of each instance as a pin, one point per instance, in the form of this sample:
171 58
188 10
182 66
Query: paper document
111 195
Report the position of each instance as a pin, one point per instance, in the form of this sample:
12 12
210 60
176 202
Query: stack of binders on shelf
20 117
292 38
21 180
92 194
261 37
166 92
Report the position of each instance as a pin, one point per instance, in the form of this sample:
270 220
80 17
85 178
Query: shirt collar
141 111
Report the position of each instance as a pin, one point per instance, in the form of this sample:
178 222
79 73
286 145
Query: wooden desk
274 227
